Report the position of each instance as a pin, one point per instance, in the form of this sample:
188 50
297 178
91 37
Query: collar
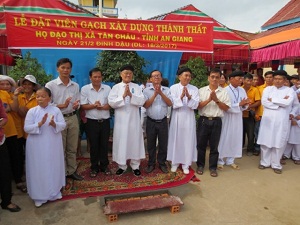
92 88
59 82
218 88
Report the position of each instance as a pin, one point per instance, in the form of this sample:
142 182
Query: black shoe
164 168
120 172
15 208
137 172
149 168
75 176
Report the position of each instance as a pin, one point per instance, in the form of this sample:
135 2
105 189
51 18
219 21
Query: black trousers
5 176
98 135
208 131
158 130
248 129
16 158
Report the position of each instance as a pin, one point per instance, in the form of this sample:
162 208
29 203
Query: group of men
220 125
266 114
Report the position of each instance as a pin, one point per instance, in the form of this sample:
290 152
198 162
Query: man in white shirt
65 96
157 102
214 100
94 100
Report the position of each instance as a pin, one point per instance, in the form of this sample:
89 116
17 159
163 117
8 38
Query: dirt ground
248 196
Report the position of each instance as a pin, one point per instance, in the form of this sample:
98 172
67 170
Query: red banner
26 30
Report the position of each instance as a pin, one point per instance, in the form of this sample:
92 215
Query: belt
210 118
156 121
69 114
98 121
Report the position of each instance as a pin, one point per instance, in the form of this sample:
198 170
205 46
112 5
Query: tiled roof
248 36
290 11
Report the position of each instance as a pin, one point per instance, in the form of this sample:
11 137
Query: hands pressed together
44 119
186 93
127 91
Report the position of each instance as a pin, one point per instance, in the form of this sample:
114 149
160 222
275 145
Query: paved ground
246 197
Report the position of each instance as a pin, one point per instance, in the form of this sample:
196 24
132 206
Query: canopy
228 46
280 44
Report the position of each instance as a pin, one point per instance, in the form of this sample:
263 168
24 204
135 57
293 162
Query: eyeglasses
156 76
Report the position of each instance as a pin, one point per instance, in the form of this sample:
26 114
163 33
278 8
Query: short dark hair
63 61
46 90
183 69
249 76
269 73
150 75
94 70
165 82
215 70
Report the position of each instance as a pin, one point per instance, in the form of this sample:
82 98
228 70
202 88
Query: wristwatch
217 101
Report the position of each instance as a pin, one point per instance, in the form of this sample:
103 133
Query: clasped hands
44 119
127 91
186 93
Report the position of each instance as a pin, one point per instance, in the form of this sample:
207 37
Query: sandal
107 171
93 173
262 167
297 162
213 173
234 166
278 171
220 167
12 207
22 187
200 170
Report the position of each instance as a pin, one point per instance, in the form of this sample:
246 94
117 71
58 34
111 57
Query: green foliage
199 70
28 65
110 62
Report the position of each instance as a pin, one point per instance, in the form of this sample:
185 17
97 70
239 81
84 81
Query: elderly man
158 100
128 143
95 103
275 123
231 140
182 136
214 100
65 96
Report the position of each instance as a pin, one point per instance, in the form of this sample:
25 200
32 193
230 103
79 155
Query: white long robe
275 123
231 140
294 137
182 142
45 165
128 142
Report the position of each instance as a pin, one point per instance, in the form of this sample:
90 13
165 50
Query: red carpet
126 183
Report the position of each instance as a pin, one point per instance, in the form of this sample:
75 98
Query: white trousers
134 163
271 156
184 166
292 151
228 161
